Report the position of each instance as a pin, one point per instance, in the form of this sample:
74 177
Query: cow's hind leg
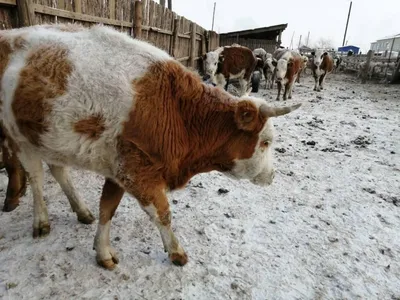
33 165
111 196
77 204
16 180
156 205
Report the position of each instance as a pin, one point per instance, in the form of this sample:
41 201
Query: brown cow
322 65
126 110
229 62
287 68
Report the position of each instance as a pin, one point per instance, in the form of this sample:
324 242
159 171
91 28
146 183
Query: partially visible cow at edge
287 68
322 65
125 110
229 62
304 64
268 68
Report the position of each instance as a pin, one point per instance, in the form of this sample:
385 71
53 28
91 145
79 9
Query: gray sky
369 19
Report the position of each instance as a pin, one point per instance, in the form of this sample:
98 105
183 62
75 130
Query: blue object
346 49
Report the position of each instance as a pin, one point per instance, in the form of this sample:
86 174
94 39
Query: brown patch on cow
5 52
92 126
110 198
237 59
179 127
327 64
294 68
42 79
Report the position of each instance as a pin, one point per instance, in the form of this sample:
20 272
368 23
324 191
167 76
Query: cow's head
211 61
254 148
271 63
318 57
282 66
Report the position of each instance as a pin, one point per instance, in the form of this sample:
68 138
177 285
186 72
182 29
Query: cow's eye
266 143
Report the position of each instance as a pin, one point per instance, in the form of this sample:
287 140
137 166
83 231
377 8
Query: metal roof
256 31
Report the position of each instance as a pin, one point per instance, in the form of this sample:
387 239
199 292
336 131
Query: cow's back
68 93
239 59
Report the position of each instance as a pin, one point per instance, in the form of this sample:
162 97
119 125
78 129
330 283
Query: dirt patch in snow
328 227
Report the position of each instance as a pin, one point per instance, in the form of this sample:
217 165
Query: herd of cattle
96 99
284 67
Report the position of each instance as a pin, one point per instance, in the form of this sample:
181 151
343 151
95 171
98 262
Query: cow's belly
237 75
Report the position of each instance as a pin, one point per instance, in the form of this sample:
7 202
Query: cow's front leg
111 196
226 84
290 89
243 86
316 87
155 203
279 84
286 92
321 81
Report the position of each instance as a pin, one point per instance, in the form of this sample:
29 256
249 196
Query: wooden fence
146 19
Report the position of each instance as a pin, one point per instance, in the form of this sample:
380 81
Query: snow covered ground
328 227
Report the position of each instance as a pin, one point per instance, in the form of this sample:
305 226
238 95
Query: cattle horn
269 112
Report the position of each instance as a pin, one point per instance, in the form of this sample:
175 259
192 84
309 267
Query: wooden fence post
138 20
174 43
192 46
26 15
111 5
78 6
364 73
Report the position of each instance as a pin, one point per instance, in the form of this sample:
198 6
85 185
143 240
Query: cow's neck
209 121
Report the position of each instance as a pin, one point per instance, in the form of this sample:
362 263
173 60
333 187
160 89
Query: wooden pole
26 15
170 5
174 48
390 55
347 23
212 27
162 3
366 67
192 45
138 20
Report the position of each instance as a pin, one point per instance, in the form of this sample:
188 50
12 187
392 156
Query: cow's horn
268 112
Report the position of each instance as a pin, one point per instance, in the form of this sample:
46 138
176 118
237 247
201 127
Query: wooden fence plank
77 16
8 2
192 45
111 6
138 20
78 6
26 14
366 67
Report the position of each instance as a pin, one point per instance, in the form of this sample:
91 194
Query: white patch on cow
211 61
259 168
318 57
105 62
281 67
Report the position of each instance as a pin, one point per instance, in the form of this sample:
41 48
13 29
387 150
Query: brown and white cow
98 100
229 62
304 64
322 65
287 68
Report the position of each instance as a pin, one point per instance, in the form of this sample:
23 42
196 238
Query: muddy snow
328 227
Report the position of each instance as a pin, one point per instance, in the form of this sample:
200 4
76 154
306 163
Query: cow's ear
313 53
290 62
247 116
274 62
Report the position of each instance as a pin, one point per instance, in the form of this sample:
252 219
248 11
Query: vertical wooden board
61 4
78 6
8 17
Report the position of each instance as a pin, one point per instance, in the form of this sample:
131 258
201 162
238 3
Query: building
268 38
346 49
385 44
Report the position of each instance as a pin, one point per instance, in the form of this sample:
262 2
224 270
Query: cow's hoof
42 230
314 89
10 206
86 218
321 88
290 97
109 260
179 259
